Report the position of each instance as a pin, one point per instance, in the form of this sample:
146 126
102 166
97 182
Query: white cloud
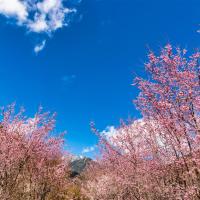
47 15
134 134
40 47
39 24
37 16
109 132
50 15
14 8
48 5
88 149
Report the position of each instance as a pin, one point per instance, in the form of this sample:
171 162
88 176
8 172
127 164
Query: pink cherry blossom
157 157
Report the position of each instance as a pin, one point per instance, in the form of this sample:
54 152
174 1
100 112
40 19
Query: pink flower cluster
157 157
32 165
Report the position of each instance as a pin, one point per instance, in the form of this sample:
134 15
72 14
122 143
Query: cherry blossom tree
156 157
32 162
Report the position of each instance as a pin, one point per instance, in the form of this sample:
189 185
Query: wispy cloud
39 47
88 149
37 16
68 78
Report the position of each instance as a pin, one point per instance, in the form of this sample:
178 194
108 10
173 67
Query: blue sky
85 71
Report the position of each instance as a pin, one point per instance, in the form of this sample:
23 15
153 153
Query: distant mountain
78 165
